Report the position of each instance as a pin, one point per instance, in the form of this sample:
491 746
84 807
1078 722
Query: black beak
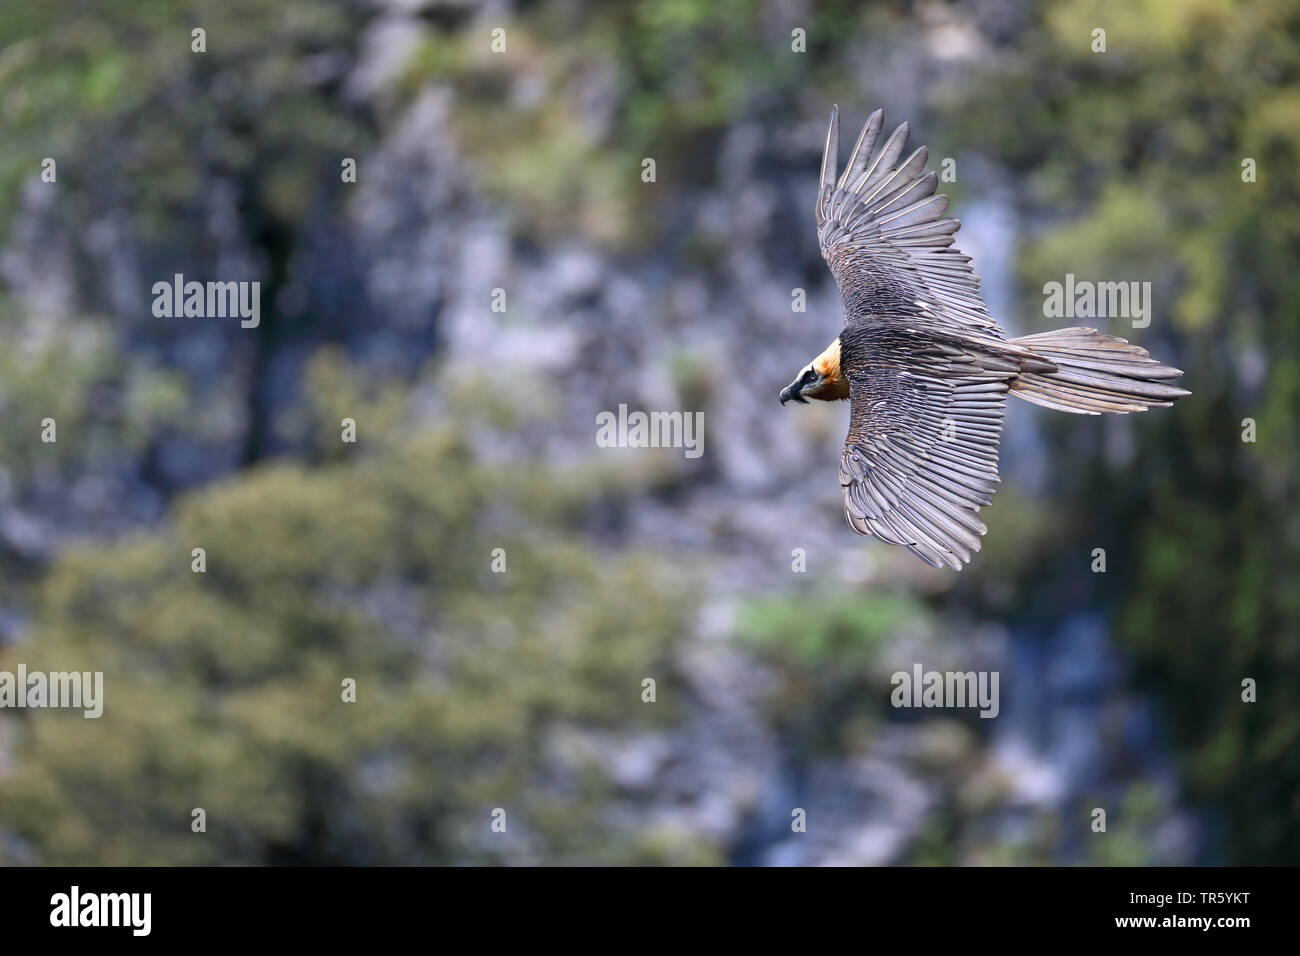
791 393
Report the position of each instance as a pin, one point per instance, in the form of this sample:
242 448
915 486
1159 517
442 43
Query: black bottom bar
216 906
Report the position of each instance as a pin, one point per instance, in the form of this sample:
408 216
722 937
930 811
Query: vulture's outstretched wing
921 456
883 233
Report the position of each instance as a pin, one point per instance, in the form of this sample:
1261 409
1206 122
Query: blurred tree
223 690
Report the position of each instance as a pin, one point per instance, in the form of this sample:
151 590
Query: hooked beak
793 393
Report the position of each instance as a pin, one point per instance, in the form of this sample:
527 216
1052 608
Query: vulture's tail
1093 373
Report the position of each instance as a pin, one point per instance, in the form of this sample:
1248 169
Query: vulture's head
821 379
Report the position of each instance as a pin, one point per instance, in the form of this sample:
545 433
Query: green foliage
59 371
1130 828
840 631
826 648
676 73
223 689
115 95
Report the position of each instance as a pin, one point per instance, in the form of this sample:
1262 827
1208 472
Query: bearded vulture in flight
925 367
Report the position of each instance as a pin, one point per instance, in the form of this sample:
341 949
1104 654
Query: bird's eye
809 376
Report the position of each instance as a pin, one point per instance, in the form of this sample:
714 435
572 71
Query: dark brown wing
883 233
921 457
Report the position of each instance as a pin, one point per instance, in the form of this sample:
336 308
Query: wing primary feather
862 148
830 159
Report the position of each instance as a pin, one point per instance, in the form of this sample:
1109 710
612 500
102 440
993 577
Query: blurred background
522 171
